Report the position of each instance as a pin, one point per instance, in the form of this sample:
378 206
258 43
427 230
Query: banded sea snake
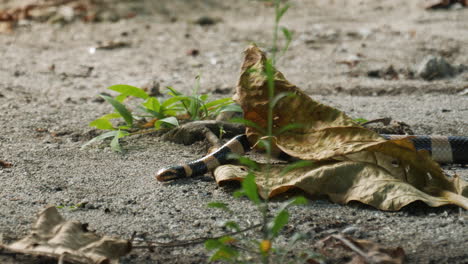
443 149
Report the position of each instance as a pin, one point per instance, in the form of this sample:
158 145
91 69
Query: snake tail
443 149
238 145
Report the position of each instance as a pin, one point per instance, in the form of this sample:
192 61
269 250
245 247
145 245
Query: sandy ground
49 82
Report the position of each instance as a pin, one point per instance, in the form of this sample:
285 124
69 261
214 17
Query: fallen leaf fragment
438 4
350 162
365 251
5 164
6 27
112 44
52 236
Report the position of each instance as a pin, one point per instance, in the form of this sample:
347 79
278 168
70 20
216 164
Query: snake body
443 149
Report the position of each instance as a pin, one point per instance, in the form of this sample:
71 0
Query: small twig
385 121
191 241
353 247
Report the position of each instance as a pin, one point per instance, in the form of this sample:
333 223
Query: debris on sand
435 67
444 4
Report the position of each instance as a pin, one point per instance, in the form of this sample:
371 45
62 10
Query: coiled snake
443 149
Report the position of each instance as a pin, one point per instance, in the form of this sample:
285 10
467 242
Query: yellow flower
265 246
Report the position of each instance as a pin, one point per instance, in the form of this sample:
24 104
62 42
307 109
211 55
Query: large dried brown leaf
53 236
351 162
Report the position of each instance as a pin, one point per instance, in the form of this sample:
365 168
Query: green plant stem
275 31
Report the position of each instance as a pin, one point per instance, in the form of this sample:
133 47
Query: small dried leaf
51 235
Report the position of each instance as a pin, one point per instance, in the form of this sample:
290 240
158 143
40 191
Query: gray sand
45 116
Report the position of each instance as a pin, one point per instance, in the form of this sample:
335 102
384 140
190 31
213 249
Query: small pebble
433 67
350 230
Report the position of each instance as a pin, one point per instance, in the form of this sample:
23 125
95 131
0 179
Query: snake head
172 173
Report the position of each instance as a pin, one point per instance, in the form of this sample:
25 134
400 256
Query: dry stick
195 240
353 247
385 121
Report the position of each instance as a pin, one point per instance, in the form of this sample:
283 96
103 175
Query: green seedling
163 113
361 120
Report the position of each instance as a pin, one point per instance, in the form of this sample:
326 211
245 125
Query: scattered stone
464 92
18 73
193 52
206 21
388 74
223 90
434 67
350 230
111 44
152 87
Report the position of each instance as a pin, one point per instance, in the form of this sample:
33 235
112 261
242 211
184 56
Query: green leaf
281 12
248 123
111 116
173 100
101 137
266 144
219 103
360 120
204 97
243 160
270 74
195 105
212 244
102 124
250 188
300 200
296 165
232 225
121 97
121 109
219 205
238 194
225 253
173 91
226 239
281 219
287 34
171 121
115 145
129 90
288 127
231 108
279 97
152 103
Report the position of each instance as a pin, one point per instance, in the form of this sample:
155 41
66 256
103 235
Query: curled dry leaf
53 236
350 161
